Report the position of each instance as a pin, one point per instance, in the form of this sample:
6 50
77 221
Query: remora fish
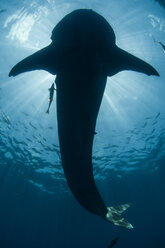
51 94
113 242
159 42
2 11
163 46
82 54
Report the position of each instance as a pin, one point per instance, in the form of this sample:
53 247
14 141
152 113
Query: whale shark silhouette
82 54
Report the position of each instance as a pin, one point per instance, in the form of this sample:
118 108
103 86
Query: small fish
113 242
162 45
51 94
2 10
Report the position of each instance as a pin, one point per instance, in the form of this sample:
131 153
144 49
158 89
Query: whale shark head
86 32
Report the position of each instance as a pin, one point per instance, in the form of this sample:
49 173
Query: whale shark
82 54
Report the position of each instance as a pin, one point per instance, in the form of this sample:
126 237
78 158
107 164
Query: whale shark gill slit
82 54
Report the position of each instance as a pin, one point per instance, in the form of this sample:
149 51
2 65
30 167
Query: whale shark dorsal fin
122 60
44 59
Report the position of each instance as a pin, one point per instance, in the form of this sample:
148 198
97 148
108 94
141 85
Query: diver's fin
47 112
126 61
114 216
44 59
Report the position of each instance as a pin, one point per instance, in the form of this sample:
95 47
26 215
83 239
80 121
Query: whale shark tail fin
40 60
126 61
114 216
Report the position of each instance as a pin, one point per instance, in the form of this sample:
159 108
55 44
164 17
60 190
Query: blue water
37 209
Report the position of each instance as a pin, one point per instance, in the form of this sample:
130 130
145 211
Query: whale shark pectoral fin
114 216
127 61
44 59
131 62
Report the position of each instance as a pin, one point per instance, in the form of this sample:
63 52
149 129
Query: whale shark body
81 55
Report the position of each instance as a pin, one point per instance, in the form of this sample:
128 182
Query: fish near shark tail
127 61
40 60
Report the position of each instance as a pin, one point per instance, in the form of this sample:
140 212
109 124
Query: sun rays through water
129 97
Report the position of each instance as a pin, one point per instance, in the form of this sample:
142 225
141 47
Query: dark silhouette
82 54
51 94
163 46
159 42
2 11
113 242
161 2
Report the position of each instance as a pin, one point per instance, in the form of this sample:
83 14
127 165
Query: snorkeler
51 89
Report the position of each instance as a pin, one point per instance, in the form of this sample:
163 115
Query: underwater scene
82 124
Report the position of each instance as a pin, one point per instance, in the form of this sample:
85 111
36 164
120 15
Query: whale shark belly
80 88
